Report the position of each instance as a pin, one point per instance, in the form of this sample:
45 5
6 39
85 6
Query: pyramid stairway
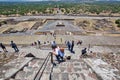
69 70
74 69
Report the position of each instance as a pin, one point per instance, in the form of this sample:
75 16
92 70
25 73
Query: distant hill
54 0
82 0
87 0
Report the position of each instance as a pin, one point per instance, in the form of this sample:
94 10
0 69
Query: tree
117 21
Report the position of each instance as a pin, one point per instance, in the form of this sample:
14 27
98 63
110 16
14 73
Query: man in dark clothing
35 43
72 45
3 47
39 43
84 51
68 45
53 44
81 42
14 46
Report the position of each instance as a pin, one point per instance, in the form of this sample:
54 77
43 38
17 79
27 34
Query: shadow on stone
30 55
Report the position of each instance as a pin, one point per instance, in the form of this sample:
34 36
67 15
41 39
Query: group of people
12 44
59 52
36 43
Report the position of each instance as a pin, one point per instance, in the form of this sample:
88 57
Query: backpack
84 51
62 50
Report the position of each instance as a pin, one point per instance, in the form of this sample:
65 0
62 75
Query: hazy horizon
51 0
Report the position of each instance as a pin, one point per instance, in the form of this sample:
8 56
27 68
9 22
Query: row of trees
23 8
66 8
93 8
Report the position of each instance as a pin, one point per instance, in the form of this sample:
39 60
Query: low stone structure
61 27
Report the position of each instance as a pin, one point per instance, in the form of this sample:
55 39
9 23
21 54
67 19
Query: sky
50 0
23 0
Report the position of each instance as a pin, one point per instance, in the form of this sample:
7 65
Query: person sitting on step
84 52
59 53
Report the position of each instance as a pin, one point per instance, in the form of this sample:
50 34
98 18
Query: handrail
44 64
50 76
43 69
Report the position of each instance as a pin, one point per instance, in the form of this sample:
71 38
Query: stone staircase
74 69
29 71
69 70
80 69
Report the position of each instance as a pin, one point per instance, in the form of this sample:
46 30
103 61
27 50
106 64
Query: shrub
117 21
118 25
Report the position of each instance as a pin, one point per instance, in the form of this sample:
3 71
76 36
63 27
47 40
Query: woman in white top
58 53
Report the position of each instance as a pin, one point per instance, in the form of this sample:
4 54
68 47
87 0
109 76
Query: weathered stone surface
74 69
20 75
46 76
56 70
65 76
102 69
13 67
56 76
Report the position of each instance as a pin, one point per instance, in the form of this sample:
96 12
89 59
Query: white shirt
58 52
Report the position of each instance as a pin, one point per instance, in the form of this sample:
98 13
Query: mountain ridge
54 0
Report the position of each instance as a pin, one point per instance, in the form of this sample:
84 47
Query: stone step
10 69
103 69
69 76
30 70
70 70
73 76
46 70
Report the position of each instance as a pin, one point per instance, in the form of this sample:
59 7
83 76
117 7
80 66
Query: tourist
53 44
3 47
68 45
32 44
59 53
14 46
61 40
44 42
35 43
88 47
72 45
79 42
39 43
48 41
84 51
54 35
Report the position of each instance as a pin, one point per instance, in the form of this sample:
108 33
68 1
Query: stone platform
11 68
